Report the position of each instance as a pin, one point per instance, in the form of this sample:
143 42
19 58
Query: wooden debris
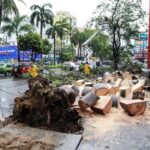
125 91
133 107
125 82
88 100
89 84
139 86
86 90
115 101
80 82
138 95
117 83
101 89
127 75
103 106
70 93
76 89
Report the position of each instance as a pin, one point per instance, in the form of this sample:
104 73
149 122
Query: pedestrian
87 68
81 67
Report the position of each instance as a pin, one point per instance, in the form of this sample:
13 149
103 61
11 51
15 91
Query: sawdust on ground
96 125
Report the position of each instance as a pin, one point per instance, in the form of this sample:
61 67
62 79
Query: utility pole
148 59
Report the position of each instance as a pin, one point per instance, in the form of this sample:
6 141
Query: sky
81 9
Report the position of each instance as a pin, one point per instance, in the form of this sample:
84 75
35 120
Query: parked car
20 69
6 68
71 66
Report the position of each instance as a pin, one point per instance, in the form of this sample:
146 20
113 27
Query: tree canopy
41 15
122 19
35 44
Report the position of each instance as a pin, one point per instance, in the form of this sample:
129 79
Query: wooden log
80 82
103 106
70 93
117 83
108 78
88 100
99 79
139 86
86 90
127 75
138 95
125 82
125 91
134 107
101 89
76 89
115 101
89 84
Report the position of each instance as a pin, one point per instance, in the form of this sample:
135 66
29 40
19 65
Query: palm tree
53 31
15 26
42 15
8 7
63 27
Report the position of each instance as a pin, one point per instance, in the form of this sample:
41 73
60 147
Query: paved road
9 89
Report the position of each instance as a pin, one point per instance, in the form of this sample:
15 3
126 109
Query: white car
71 66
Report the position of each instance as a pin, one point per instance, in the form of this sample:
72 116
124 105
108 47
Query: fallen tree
44 106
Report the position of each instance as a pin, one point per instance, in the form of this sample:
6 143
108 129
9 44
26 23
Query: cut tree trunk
139 86
80 82
117 85
76 89
125 91
86 90
70 93
88 100
101 89
134 107
103 106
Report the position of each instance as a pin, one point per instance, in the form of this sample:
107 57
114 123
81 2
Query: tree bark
18 47
54 49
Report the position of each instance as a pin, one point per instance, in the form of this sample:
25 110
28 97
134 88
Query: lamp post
148 59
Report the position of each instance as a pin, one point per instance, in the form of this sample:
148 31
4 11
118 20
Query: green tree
100 46
67 54
16 26
33 42
53 31
122 19
8 7
63 27
79 37
41 15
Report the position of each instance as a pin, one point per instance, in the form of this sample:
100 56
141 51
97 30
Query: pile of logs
113 90
44 106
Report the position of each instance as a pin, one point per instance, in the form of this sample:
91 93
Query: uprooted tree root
44 106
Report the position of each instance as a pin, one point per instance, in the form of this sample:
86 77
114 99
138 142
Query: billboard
11 52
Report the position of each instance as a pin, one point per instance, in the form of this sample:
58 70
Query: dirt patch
10 142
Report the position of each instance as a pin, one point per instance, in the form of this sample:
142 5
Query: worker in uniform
33 70
87 68
81 67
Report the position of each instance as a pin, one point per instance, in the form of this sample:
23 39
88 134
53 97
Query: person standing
87 68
